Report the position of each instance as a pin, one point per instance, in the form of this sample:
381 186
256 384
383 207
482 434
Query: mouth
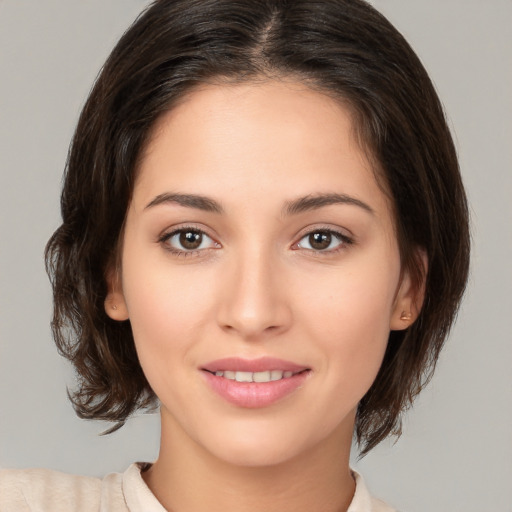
254 383
260 377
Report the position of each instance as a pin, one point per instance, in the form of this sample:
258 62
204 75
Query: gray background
456 452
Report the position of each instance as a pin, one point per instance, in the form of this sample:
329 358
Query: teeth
261 376
267 376
243 376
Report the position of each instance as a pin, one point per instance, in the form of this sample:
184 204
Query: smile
254 383
266 376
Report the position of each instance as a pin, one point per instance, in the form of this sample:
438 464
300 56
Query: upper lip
261 364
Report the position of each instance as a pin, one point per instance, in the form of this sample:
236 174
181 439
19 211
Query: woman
264 227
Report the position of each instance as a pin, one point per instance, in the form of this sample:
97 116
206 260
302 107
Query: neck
187 478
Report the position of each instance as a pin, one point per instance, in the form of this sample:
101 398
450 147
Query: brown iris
191 239
320 240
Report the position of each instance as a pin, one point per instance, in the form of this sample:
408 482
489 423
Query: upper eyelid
166 236
170 231
343 239
335 230
342 233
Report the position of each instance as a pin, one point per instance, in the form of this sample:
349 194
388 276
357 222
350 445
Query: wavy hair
345 49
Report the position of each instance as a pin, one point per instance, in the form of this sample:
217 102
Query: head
342 49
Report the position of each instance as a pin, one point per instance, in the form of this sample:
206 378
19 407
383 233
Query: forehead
272 110
271 138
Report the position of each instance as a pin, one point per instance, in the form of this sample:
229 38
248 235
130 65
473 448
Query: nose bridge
254 302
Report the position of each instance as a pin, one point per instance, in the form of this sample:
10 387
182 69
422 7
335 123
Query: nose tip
252 327
255 304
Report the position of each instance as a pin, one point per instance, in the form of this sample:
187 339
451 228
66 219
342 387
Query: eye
187 240
323 240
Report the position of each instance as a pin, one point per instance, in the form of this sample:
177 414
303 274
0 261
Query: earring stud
405 316
114 306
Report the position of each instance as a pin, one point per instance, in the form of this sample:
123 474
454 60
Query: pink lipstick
254 383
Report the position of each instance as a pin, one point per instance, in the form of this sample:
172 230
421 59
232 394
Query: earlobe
115 305
405 310
406 316
410 297
402 318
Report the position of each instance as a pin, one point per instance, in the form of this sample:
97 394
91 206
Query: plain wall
456 450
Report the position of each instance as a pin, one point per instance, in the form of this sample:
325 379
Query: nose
255 303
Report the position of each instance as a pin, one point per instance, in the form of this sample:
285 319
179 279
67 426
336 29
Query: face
260 272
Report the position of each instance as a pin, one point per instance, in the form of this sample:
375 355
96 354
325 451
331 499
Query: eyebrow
299 205
315 201
188 200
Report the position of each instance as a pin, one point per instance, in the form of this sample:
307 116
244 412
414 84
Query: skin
257 287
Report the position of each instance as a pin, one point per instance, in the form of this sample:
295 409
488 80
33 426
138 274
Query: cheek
360 299
167 309
350 319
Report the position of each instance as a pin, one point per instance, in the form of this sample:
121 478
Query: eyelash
166 237
343 240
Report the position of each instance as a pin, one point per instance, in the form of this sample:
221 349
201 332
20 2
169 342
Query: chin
260 456
259 445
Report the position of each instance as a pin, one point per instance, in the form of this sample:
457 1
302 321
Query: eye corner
330 241
174 241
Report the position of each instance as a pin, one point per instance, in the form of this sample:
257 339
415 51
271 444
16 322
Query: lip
254 395
262 364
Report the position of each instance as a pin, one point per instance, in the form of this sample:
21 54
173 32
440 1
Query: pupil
190 239
320 240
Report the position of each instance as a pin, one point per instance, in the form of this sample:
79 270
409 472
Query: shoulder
28 490
363 501
380 506
44 489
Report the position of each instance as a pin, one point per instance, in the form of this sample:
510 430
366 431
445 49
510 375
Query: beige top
42 490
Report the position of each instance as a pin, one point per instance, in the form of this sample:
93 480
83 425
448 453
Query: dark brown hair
342 47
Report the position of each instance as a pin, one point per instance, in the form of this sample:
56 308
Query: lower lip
254 394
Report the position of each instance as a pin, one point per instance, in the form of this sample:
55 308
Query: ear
410 296
115 304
